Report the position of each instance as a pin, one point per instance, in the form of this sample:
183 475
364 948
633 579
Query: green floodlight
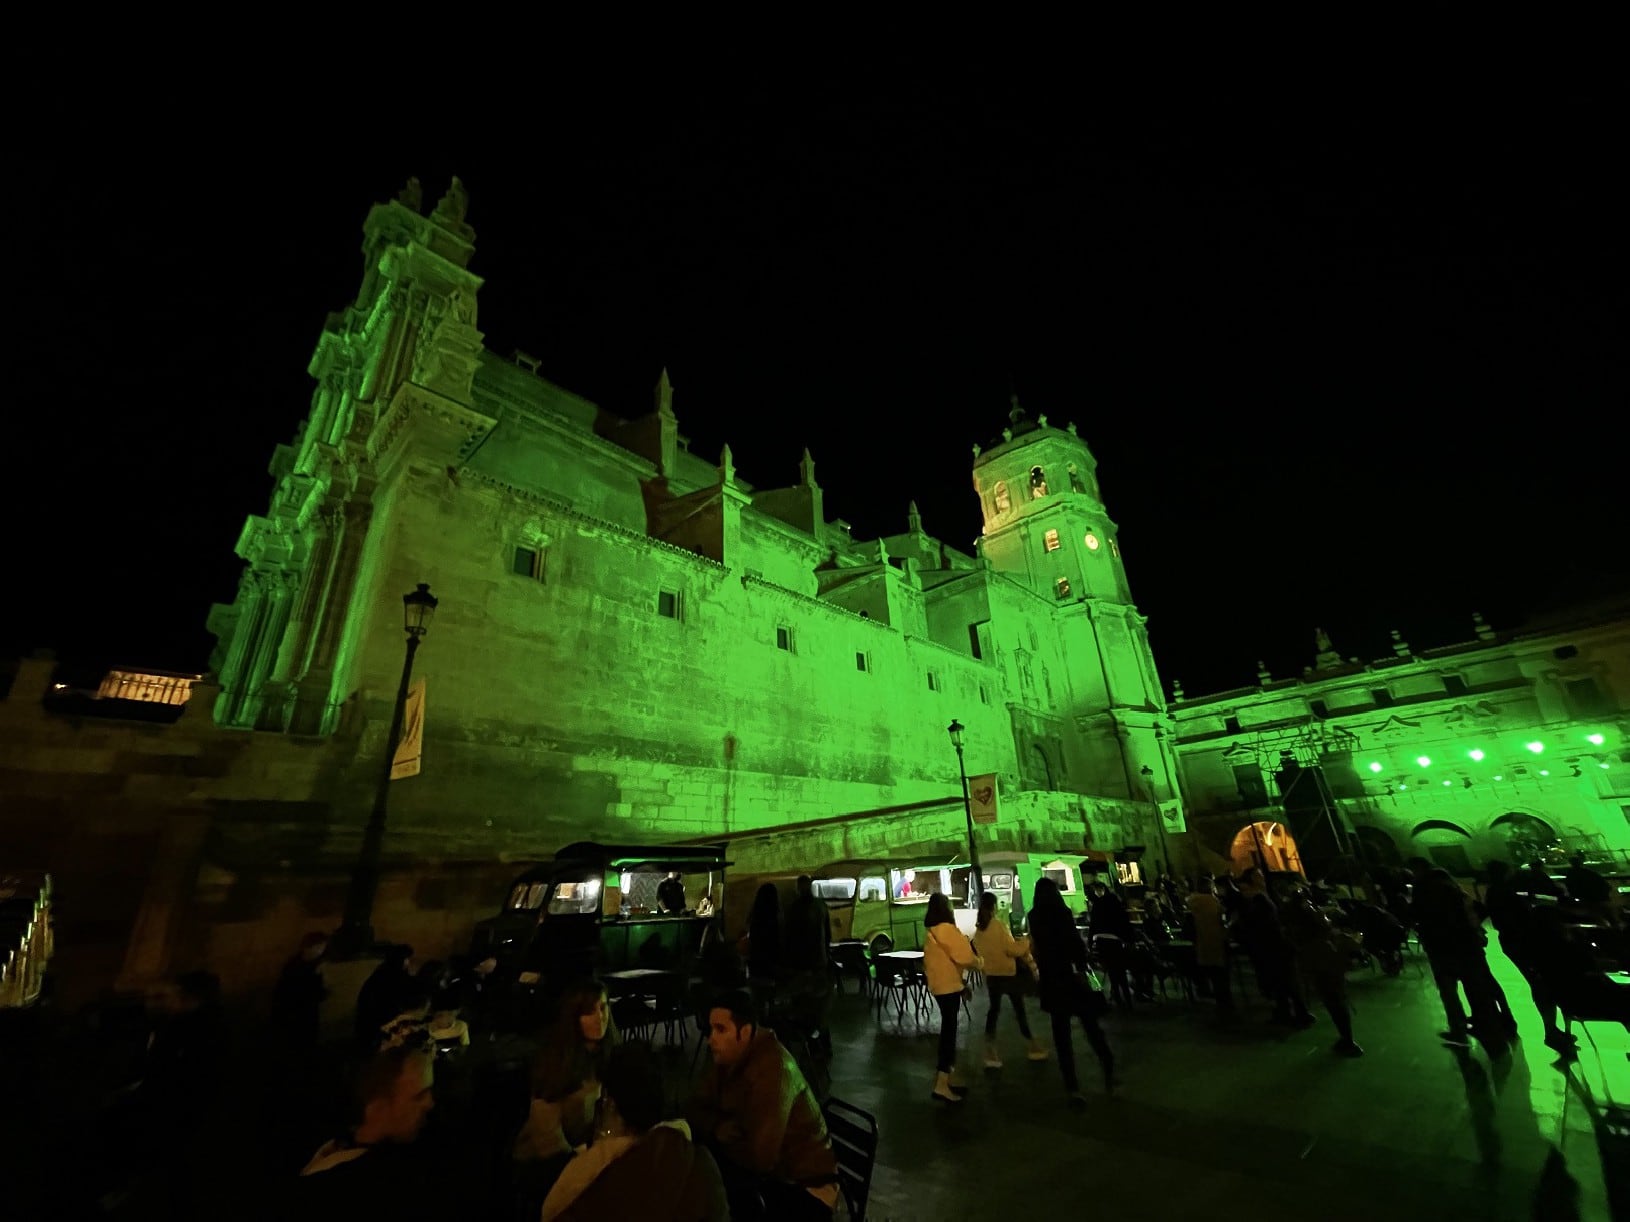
1425 761
1545 772
1603 764
1476 753
1376 766
1403 784
1499 776
1595 740
1536 746
1447 783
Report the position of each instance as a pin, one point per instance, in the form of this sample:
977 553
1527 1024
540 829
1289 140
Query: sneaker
1346 1048
1038 1051
993 1059
1455 1039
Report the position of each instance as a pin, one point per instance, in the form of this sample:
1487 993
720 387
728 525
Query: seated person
756 1112
640 1166
372 1171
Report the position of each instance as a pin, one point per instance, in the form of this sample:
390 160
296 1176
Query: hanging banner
1172 813
406 760
982 797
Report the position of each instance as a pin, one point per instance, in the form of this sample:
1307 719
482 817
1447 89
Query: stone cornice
749 580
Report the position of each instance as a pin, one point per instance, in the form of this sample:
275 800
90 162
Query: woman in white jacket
1001 952
947 953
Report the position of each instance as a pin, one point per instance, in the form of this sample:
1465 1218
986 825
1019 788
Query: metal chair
854 1142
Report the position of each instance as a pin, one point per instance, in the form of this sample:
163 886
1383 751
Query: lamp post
955 730
356 933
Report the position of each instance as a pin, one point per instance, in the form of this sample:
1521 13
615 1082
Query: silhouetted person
297 1002
671 895
1453 944
1513 918
384 995
1061 966
1260 933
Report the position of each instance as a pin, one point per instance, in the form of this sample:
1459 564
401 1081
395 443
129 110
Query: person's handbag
1093 989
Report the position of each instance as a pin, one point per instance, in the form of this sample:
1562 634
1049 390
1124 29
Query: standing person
761 946
947 954
1113 939
1061 961
1588 889
297 1001
1513 919
384 995
1002 952
1453 943
1322 960
1211 943
1264 940
806 960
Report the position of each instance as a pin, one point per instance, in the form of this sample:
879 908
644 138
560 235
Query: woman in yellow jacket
947 954
1001 952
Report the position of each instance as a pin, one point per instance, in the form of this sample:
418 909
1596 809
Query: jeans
950 1005
1061 1015
1000 987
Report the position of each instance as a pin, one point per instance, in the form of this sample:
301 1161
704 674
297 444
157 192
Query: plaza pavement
1251 1122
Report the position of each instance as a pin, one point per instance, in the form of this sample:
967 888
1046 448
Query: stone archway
1377 847
1523 837
1445 844
1267 845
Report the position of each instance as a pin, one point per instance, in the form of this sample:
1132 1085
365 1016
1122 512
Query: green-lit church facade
633 642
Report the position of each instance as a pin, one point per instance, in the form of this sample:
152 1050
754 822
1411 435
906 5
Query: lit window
1038 482
528 562
1061 587
1003 503
668 604
783 638
1051 540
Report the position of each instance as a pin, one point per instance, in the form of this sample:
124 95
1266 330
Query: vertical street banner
982 797
408 751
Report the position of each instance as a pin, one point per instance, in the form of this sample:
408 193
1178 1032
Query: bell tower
1045 521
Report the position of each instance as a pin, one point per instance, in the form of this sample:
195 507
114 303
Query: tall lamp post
955 730
356 934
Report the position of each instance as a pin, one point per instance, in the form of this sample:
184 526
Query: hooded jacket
658 1177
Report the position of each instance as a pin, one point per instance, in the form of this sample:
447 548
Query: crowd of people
576 1121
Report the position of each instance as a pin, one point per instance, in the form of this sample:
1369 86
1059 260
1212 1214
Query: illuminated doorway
1265 844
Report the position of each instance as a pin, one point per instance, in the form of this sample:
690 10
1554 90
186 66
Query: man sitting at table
757 1113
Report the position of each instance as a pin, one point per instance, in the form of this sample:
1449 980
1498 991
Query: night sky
1343 361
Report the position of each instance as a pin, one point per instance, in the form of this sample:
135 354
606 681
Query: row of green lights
1476 753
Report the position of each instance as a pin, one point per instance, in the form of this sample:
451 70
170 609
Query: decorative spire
452 207
1480 626
1177 690
1399 645
806 469
977 449
1016 413
665 394
727 466
1070 428
1042 420
412 195
914 520
882 552
1262 675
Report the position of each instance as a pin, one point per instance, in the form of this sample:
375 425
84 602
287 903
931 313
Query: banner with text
982 797
406 760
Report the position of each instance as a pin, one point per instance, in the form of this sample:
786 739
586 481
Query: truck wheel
881 944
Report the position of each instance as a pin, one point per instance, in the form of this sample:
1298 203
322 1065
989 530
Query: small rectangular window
1061 587
984 693
1050 539
528 562
862 661
933 681
668 604
1587 699
1231 725
1381 696
1319 708
783 638
973 641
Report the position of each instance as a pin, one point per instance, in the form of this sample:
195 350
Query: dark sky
1344 360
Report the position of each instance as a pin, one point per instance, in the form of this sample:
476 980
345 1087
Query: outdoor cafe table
664 989
906 968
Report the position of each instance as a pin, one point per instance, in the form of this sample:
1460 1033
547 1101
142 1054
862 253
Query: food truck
881 902
1013 877
598 908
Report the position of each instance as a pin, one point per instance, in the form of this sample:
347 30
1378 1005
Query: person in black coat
1061 962
297 1001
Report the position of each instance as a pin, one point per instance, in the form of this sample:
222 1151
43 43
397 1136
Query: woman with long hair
947 954
1061 962
566 1076
1002 952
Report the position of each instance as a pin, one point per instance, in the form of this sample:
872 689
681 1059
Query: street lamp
977 890
356 934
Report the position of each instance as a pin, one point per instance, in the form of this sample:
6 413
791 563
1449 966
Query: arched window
1445 844
999 494
1525 836
1044 769
1038 482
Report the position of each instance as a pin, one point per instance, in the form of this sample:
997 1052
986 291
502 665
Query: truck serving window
575 898
527 897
